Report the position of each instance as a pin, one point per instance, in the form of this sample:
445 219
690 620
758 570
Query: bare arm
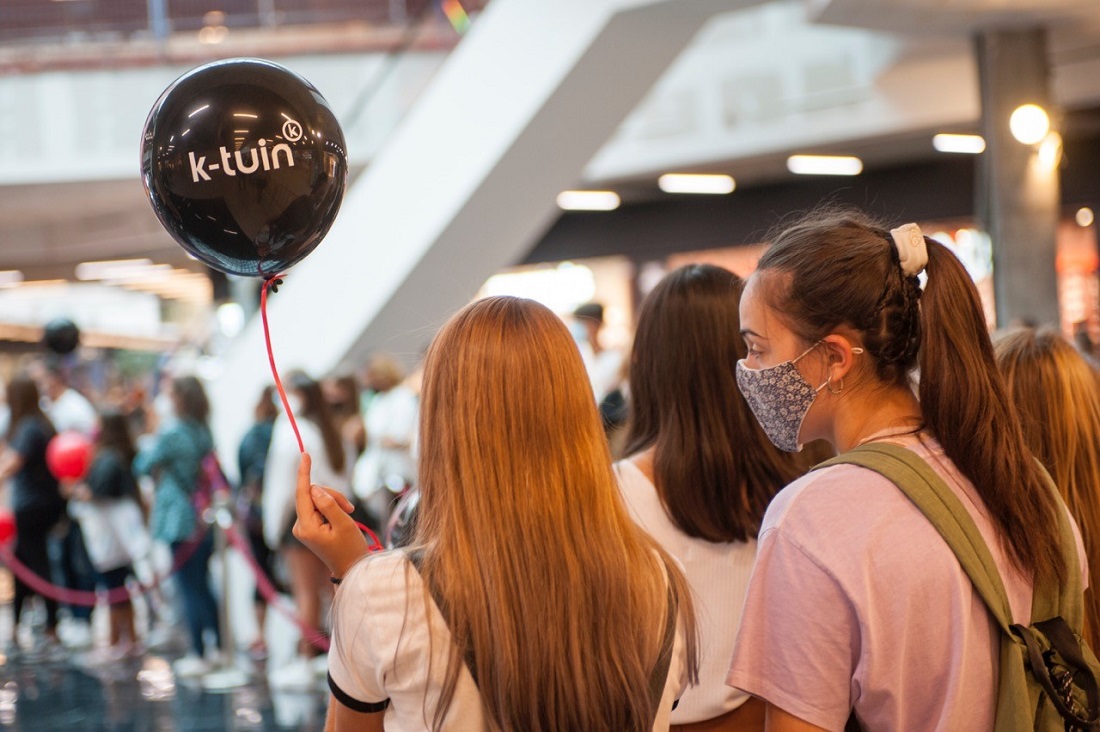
10 463
341 718
778 720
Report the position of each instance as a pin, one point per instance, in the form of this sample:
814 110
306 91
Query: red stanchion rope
271 595
272 283
87 598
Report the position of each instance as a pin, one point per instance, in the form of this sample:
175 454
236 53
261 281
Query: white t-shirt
71 412
857 601
281 474
718 574
387 645
391 414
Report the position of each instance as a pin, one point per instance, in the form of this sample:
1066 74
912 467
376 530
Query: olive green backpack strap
935 499
943 509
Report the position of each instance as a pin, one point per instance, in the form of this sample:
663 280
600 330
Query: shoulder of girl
821 490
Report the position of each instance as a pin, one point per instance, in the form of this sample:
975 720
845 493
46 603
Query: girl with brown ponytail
857 606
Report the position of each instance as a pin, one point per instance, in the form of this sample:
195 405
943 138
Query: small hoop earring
829 386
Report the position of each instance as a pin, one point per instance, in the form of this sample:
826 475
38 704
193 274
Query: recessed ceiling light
952 143
588 200
705 183
824 165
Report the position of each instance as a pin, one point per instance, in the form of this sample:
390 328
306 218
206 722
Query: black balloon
245 165
61 336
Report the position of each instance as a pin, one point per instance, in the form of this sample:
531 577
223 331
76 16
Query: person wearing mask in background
342 395
35 500
251 461
70 411
386 468
836 322
593 632
604 365
308 578
174 458
701 472
1057 395
106 504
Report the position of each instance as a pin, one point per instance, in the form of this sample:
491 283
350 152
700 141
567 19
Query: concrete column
1018 194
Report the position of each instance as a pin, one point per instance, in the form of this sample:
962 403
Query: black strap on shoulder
416 558
657 679
354 704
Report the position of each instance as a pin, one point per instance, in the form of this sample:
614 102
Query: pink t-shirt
856 602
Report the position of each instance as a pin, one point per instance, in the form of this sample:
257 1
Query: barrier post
228 675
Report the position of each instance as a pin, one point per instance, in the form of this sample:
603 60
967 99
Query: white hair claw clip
912 251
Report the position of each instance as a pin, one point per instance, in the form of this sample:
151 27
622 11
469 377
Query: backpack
1048 675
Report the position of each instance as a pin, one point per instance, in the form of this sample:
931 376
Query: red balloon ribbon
272 283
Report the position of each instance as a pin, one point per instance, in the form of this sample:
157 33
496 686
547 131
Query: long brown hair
316 410
715 470
842 269
23 401
524 534
114 434
1056 393
190 400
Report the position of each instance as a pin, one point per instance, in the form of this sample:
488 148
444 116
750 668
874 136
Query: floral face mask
780 398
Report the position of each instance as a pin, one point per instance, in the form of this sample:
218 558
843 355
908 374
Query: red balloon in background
68 455
7 527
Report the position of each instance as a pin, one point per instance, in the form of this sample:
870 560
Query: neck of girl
884 413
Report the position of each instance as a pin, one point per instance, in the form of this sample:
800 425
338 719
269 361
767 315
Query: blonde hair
558 595
1057 396
387 370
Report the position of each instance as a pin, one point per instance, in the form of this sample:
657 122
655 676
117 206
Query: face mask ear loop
829 380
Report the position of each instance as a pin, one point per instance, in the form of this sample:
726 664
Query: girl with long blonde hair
1057 395
529 599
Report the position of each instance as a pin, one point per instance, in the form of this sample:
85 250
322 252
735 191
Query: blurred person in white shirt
70 411
387 468
604 365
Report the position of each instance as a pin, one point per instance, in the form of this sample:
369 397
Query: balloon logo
61 336
68 455
245 165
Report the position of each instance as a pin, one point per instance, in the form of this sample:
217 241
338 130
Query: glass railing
68 21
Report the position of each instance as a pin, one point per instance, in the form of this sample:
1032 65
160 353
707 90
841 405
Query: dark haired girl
857 604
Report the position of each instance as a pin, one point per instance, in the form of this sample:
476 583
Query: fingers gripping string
272 283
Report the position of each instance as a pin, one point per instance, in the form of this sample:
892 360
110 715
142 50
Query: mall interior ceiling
904 177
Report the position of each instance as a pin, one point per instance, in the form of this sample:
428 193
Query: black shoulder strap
657 679
416 558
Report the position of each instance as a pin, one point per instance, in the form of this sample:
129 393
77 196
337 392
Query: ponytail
966 406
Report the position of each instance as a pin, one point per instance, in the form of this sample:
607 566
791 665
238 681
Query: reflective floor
57 688
38 693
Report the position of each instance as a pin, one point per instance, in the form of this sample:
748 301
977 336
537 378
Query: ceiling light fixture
824 165
588 200
1029 123
953 143
109 268
703 183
